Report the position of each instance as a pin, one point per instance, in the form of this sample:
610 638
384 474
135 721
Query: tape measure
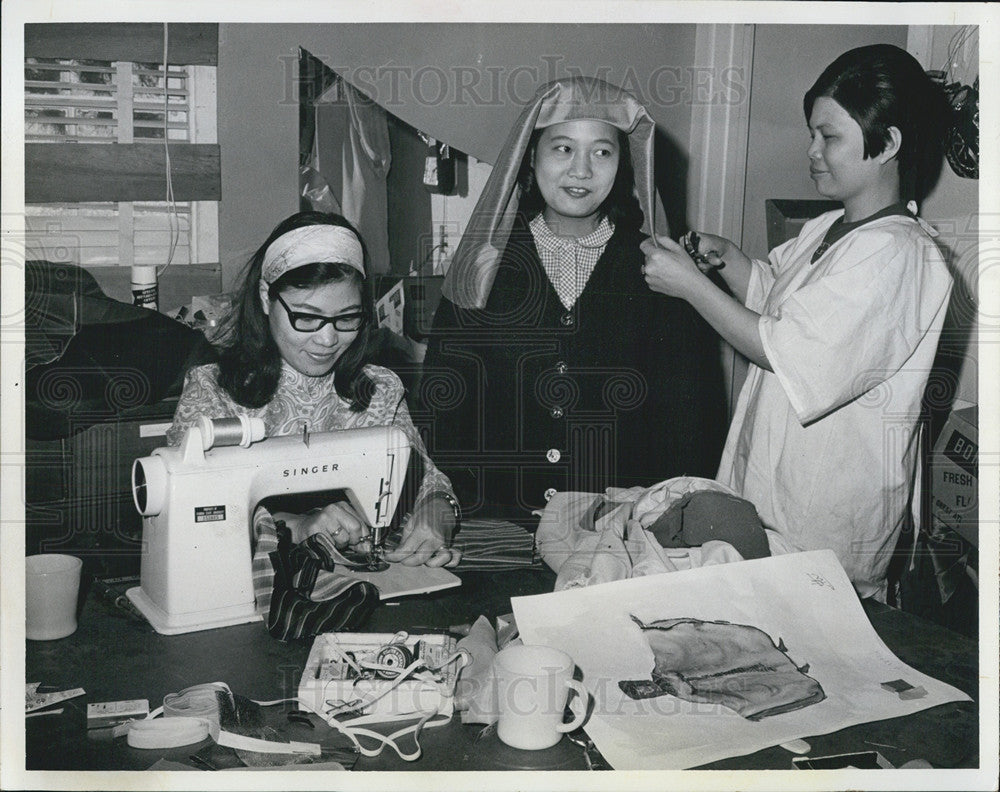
167 732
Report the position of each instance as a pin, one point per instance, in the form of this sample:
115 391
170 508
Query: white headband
312 244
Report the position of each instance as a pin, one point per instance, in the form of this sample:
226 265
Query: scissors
691 242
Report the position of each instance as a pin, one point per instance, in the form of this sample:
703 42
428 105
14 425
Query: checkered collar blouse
569 262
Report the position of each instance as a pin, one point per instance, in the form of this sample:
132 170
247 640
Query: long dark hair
621 206
882 86
250 362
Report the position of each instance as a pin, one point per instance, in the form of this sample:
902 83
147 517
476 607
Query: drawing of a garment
716 662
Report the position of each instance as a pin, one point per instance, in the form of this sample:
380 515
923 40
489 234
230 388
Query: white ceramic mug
533 685
51 585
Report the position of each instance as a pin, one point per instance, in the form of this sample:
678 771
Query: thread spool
145 290
394 658
241 430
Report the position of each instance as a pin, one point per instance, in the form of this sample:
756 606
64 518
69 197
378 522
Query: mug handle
581 691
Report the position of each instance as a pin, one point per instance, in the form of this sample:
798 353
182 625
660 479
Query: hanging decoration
439 166
962 137
963 134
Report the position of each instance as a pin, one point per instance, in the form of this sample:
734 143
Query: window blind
95 165
103 101
86 101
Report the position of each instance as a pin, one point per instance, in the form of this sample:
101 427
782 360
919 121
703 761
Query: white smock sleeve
763 274
759 285
852 323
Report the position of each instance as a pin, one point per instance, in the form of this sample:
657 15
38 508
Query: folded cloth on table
707 515
475 692
494 545
590 538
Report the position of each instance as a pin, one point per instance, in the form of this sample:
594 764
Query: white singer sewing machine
197 503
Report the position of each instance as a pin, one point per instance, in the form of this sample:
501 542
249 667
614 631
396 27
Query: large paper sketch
805 599
735 665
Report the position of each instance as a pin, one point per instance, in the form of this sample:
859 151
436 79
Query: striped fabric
292 613
327 585
494 545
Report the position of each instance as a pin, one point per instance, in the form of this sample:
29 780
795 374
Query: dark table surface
116 658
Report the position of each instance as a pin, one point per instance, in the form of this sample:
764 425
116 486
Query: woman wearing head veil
552 366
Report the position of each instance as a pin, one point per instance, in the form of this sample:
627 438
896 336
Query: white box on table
329 684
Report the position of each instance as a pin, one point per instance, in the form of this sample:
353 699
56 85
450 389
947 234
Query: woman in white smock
840 325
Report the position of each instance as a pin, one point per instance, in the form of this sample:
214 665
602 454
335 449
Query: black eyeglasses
310 323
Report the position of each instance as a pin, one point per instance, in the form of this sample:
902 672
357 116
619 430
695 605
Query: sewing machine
197 503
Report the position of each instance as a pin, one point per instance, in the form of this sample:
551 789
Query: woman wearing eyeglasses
294 354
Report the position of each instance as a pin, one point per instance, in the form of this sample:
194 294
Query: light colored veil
477 258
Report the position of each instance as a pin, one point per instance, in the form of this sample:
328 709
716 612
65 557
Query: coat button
566 319
561 367
557 412
553 455
549 493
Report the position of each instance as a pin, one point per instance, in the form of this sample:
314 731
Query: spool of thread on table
392 659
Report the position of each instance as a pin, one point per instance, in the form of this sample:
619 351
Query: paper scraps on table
33 700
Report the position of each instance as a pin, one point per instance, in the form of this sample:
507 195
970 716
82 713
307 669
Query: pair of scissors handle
691 242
